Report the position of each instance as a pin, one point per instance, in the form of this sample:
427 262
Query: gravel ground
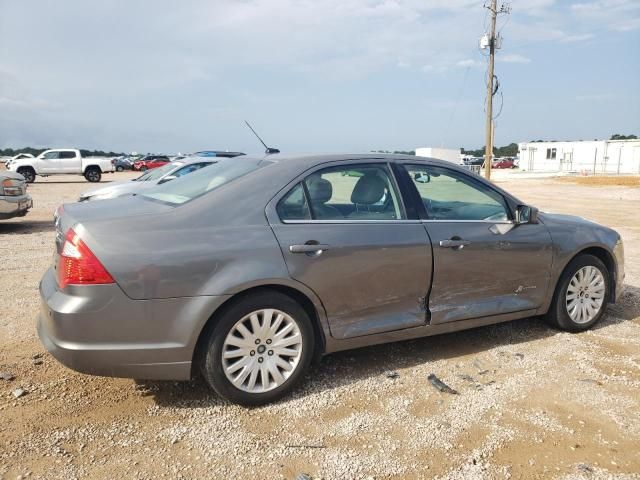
532 402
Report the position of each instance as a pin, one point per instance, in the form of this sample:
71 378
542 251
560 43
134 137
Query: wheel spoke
238 352
238 342
282 363
234 367
285 342
255 325
275 373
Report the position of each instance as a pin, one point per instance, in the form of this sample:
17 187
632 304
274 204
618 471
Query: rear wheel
93 174
581 295
28 173
119 168
259 349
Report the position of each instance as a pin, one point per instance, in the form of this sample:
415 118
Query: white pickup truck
62 161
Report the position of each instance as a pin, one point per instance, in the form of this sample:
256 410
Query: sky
312 75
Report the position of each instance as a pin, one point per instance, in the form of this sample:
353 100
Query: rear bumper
11 206
100 331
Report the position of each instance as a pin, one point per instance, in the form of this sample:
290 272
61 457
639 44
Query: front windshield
156 173
204 180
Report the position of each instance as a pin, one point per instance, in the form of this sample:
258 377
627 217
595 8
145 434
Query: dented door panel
499 268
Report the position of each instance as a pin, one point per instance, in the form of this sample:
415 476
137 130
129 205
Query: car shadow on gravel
346 368
26 226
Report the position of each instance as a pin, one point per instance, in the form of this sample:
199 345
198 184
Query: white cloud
513 58
469 62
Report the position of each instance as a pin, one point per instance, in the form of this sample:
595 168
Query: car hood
11 175
561 218
118 189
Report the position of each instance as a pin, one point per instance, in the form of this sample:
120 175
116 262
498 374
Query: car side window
353 192
293 206
67 155
50 156
451 195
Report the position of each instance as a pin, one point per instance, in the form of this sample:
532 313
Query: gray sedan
148 179
246 270
14 199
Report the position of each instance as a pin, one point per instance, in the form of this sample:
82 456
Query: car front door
344 233
49 162
484 263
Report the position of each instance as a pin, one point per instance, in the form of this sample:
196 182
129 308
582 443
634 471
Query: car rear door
484 264
69 162
344 233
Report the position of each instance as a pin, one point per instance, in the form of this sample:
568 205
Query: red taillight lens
78 265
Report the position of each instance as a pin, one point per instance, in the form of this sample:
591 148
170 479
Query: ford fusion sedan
245 270
148 179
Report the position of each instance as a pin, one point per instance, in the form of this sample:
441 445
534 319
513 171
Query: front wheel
581 295
119 168
259 349
28 173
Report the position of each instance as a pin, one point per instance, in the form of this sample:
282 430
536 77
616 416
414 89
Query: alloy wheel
262 350
585 294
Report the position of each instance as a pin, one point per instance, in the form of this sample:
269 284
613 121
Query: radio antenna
268 150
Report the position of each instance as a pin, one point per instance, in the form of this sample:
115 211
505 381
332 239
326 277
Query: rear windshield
204 180
156 173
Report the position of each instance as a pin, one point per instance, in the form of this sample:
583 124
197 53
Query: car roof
311 160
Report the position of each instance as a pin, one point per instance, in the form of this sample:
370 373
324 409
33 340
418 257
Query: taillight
78 265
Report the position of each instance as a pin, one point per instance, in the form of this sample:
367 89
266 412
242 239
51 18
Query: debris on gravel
19 392
440 385
392 374
7 376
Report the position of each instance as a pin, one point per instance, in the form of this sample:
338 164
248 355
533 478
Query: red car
504 163
150 161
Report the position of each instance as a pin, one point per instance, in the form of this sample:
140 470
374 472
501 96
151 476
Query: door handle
455 243
316 248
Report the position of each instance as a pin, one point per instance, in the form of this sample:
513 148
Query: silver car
246 270
14 199
148 179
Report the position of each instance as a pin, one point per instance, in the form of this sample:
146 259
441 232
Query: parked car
245 270
14 199
148 179
122 163
474 161
62 161
503 163
150 161
16 157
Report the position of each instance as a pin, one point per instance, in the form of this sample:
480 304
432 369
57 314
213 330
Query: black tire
93 174
211 364
119 168
28 173
558 315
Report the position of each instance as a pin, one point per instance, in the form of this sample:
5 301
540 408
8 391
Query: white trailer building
448 154
590 156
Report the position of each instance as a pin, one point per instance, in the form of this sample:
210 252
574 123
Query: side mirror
422 177
526 214
166 179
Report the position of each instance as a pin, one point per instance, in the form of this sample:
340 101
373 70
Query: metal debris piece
303 476
519 355
392 374
7 376
590 380
305 446
480 367
36 356
38 361
19 392
583 467
440 385
467 378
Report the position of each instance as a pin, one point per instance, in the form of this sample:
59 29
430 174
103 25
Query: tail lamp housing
77 265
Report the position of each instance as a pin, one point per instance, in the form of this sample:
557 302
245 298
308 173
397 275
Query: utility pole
488 157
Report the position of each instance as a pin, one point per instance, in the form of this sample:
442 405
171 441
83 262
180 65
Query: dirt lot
532 403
